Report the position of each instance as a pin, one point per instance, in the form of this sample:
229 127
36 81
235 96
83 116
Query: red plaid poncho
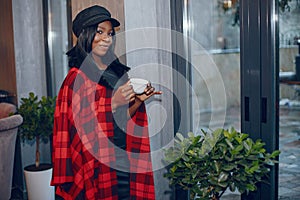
82 152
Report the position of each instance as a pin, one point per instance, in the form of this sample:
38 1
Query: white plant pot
38 185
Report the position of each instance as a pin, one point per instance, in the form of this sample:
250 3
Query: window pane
215 70
213 26
289 126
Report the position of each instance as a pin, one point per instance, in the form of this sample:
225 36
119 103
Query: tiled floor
289 160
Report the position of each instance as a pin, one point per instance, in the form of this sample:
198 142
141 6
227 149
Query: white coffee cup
138 85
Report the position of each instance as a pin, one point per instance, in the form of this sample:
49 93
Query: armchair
8 133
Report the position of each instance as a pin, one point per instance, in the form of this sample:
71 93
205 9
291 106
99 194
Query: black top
122 162
120 122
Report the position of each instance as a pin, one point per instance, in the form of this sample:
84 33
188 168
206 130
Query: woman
101 146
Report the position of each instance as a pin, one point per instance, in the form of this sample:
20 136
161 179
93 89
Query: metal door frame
259 81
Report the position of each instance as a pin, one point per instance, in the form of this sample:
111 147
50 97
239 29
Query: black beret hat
92 16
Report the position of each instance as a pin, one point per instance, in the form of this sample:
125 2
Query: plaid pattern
83 154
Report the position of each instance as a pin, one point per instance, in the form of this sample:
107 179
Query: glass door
56 31
212 38
213 46
289 129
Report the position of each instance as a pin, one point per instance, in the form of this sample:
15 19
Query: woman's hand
123 95
148 92
140 98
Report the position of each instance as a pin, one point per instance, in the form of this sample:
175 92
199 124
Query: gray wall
30 61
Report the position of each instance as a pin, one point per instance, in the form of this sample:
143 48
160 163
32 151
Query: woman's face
103 39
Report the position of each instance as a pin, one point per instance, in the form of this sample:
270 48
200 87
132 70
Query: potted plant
38 115
207 165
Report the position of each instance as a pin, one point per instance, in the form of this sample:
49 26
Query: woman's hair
84 46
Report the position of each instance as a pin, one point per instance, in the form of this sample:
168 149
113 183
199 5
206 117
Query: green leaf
213 181
180 137
227 134
237 149
223 177
244 136
250 143
228 167
217 133
254 168
275 153
194 175
223 185
188 165
230 134
190 134
173 169
229 143
228 159
251 187
217 166
252 157
247 147
185 158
